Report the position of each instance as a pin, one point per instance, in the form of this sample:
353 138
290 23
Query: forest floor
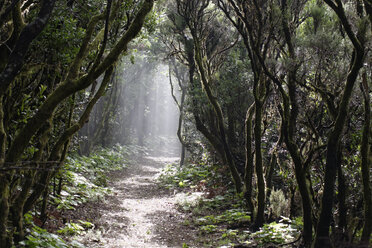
152 202
139 212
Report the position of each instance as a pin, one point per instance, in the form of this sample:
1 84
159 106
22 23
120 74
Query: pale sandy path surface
140 213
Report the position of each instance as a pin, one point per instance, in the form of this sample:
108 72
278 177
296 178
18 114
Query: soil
138 213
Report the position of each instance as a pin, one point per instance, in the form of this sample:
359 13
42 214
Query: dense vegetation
276 93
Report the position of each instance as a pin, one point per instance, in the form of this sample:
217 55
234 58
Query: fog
137 109
156 119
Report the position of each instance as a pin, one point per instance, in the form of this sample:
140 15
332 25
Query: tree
207 56
84 69
333 144
181 79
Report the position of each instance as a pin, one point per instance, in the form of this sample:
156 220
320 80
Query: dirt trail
140 213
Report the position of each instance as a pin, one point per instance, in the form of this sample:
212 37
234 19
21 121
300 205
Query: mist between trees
277 91
137 108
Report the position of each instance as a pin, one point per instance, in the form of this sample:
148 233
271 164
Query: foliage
222 219
197 176
86 177
208 228
300 65
75 228
40 238
232 225
279 205
230 216
277 233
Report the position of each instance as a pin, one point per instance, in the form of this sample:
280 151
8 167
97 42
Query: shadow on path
139 213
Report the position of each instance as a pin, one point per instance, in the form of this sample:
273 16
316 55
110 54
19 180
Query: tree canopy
278 92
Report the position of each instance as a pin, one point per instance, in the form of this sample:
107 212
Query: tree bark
342 191
28 34
68 87
18 203
59 148
219 116
180 105
322 235
365 165
249 164
4 183
259 95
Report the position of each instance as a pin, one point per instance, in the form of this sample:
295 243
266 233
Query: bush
84 179
40 238
278 204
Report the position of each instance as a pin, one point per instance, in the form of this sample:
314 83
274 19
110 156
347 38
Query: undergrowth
217 212
84 178
196 176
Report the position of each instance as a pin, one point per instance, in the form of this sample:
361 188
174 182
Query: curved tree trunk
28 34
322 235
180 105
59 150
69 87
18 203
248 174
219 116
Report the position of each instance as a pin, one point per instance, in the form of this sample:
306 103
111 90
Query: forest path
140 213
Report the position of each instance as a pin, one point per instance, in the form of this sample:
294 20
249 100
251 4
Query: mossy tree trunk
180 104
289 125
322 238
17 209
73 82
259 92
197 112
366 161
4 184
58 151
249 163
206 81
15 60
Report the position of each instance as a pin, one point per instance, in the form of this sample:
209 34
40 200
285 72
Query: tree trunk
180 105
180 126
212 139
4 209
322 236
231 127
4 183
44 205
365 165
28 34
260 216
59 150
269 174
289 116
205 80
248 174
341 195
19 203
289 128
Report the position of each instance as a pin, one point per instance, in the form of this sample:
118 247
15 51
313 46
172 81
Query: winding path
140 213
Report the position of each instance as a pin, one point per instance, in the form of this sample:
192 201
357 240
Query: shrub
278 204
